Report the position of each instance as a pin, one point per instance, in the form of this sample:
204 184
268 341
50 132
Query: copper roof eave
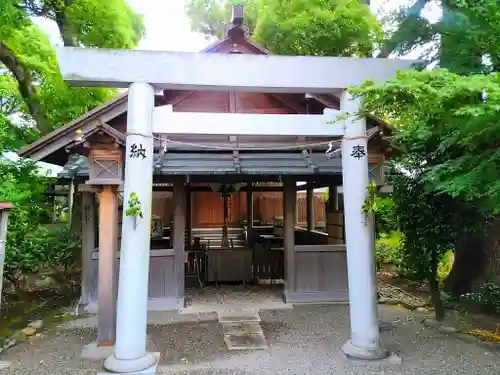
112 132
26 151
212 47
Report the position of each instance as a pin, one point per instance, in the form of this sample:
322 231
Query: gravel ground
303 341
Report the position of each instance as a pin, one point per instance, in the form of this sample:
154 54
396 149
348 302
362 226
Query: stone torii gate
143 71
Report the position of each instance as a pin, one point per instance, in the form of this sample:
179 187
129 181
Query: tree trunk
468 265
26 87
68 39
477 260
434 288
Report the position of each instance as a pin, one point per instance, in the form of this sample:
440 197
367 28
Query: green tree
448 129
458 131
27 56
465 39
430 223
210 17
317 27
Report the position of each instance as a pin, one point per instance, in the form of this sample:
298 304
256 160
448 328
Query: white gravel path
303 341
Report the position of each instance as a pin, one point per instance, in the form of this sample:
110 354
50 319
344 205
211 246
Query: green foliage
40 95
370 203
467 32
445 123
445 264
301 27
210 17
32 247
105 24
318 27
134 206
385 219
430 224
488 296
12 135
44 249
388 248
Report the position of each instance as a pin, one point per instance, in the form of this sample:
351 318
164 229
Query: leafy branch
134 207
370 204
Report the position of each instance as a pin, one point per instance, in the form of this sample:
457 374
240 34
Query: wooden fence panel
208 209
319 211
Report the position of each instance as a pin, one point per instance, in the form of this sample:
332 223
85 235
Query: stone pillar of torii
142 71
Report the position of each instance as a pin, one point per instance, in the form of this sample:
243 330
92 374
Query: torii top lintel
221 72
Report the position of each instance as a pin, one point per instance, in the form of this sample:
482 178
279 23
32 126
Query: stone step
245 342
241 328
238 316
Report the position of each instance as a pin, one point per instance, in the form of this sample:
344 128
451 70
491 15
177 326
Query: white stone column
130 349
365 336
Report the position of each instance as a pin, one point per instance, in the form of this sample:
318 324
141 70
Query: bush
385 215
388 248
33 246
46 249
487 297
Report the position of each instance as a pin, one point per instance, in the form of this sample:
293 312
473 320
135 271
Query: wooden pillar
333 198
289 204
189 217
297 211
179 234
310 209
107 285
88 242
249 212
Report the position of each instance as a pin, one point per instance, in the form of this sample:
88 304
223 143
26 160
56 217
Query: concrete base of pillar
374 353
144 365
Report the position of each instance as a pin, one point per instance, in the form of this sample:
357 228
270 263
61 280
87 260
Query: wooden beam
82 187
179 97
290 103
